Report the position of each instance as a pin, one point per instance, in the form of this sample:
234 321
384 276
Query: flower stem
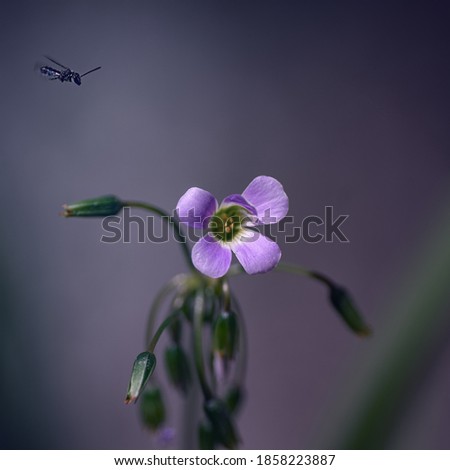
242 358
198 345
383 387
173 285
296 269
167 321
288 268
171 221
226 294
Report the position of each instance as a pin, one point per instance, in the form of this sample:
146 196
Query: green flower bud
221 423
345 306
206 439
153 411
177 366
233 399
225 340
98 207
143 367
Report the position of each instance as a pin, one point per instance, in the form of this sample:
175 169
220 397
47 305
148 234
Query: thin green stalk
198 345
226 295
172 285
178 232
300 270
191 413
167 321
236 269
372 401
241 368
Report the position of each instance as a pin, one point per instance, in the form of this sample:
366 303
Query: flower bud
177 366
153 411
143 367
233 399
225 341
345 306
98 207
221 423
205 436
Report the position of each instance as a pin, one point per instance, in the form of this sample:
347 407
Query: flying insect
64 75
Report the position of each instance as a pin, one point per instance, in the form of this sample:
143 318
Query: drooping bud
143 367
225 341
233 399
225 345
98 207
221 422
206 439
177 366
153 411
346 308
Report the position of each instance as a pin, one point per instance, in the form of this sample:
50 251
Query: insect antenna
93 70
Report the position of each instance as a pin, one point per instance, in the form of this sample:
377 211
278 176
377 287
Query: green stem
226 295
296 269
241 368
168 320
391 373
170 221
172 285
288 268
198 345
191 413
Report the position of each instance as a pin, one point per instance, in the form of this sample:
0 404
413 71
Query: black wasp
65 75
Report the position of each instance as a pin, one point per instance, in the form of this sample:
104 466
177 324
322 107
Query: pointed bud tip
365 332
345 307
143 368
65 212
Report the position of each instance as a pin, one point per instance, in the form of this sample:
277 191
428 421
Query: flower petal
211 257
267 195
238 200
256 252
195 207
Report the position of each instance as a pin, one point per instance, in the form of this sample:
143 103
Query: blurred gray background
347 104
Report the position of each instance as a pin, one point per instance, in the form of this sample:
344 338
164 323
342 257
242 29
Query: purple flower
231 226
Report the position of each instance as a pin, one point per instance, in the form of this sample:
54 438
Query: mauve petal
211 257
267 195
195 207
256 252
238 200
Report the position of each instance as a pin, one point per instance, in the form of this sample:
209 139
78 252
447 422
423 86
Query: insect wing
46 72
